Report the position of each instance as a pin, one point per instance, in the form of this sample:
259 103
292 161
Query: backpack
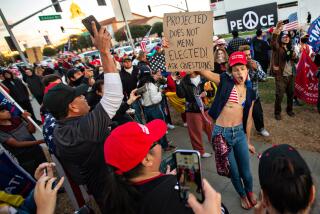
221 149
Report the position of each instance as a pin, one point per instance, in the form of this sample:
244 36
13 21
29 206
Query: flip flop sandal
252 198
245 204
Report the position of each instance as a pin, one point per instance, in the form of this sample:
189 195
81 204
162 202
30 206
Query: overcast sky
32 30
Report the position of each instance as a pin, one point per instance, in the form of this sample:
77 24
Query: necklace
241 93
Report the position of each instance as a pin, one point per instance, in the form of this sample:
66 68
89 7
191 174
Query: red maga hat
237 57
128 144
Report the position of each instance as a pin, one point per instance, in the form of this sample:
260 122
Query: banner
306 84
314 35
252 18
14 179
9 105
190 41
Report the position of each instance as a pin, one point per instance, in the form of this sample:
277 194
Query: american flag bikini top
233 98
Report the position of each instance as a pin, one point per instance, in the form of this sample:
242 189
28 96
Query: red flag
306 84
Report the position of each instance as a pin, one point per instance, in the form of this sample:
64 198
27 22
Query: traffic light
102 2
149 8
10 43
62 29
57 6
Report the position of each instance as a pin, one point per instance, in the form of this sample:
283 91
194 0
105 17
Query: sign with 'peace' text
263 16
190 41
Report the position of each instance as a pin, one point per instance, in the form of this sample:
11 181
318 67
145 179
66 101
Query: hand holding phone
189 174
141 90
286 21
87 22
211 204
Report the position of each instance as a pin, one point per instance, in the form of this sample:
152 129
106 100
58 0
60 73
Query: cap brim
157 128
80 90
238 63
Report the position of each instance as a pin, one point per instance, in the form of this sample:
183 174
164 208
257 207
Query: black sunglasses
153 145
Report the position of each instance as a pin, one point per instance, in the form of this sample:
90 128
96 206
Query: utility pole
15 42
127 26
9 28
187 5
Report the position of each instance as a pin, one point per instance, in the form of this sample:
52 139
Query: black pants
26 105
284 85
257 114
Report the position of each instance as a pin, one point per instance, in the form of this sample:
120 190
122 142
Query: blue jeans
29 205
155 112
241 177
137 109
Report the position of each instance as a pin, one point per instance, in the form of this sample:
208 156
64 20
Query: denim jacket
224 89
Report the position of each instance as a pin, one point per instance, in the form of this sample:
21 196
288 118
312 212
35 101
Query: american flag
47 130
143 43
293 22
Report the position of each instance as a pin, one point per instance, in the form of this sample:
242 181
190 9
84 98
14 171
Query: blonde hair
215 55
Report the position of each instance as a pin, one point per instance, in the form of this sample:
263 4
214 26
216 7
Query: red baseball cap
129 143
237 57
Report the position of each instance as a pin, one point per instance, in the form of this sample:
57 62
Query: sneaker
277 116
170 126
296 103
185 125
291 113
206 155
264 133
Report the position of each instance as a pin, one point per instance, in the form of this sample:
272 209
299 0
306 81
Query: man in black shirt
79 134
261 48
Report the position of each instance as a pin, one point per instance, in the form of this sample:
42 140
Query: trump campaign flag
9 105
314 35
306 84
14 179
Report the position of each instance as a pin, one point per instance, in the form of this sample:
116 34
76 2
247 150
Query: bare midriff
231 115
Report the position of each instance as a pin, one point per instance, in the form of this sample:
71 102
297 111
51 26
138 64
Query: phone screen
189 174
168 161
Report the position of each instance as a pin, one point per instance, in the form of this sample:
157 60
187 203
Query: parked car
90 54
124 50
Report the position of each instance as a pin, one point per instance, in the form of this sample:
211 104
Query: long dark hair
146 79
121 196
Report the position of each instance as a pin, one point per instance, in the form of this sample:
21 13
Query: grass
267 91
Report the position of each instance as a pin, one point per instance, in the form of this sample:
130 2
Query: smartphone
168 161
286 21
141 90
54 184
87 23
189 174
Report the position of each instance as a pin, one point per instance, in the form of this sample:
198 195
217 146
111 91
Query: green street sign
49 17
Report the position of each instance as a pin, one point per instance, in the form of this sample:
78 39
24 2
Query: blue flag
9 106
14 179
314 35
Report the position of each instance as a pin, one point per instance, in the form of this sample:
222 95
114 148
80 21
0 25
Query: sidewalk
223 185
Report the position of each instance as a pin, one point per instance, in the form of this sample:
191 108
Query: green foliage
136 32
157 28
48 51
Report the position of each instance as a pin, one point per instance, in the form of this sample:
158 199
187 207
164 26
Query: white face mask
195 80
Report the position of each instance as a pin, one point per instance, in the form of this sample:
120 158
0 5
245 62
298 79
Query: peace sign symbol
250 20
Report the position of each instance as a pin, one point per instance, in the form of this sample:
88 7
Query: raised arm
209 75
113 95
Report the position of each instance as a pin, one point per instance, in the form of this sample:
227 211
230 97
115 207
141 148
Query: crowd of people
106 122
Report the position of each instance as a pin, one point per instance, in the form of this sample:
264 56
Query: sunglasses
153 145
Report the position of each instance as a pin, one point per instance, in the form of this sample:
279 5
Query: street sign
49 17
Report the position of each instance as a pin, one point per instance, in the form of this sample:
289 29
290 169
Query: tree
157 28
84 41
136 32
48 51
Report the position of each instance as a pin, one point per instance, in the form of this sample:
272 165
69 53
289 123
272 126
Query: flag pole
19 107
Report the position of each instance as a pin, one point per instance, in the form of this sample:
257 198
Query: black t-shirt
160 197
260 48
